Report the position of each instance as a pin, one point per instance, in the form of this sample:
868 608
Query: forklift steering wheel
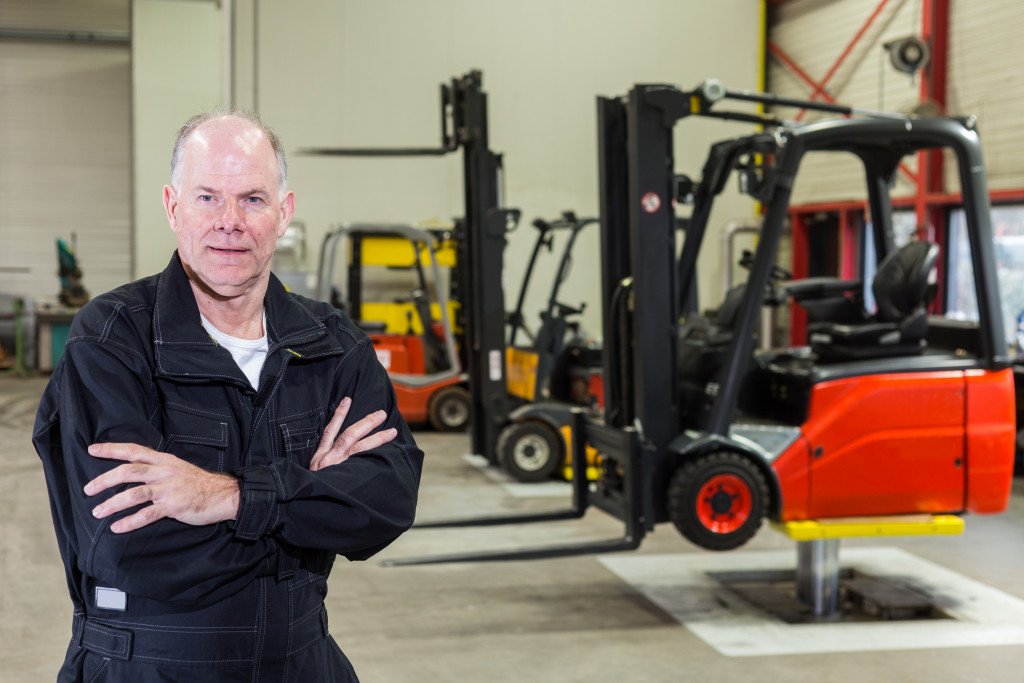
780 273
564 310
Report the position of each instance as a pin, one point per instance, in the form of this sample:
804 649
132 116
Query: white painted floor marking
680 585
542 489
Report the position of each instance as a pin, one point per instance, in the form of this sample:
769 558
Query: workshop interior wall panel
177 71
99 17
986 57
840 44
377 67
65 168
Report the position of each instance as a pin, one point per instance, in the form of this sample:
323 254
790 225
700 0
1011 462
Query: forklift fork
621 447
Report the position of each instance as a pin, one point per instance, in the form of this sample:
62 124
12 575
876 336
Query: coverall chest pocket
200 437
300 436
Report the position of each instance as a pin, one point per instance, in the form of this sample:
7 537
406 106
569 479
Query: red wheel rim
724 503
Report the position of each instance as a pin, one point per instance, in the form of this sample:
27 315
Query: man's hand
334 449
176 488
180 490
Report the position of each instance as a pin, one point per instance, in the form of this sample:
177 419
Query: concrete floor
555 620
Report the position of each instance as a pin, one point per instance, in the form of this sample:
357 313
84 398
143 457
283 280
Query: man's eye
253 200
206 198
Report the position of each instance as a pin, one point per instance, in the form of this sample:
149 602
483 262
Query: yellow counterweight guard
849 527
521 372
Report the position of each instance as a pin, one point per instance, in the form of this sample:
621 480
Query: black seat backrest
906 280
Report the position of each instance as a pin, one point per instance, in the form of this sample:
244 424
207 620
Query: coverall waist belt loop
189 645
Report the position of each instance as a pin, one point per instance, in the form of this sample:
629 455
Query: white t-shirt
248 353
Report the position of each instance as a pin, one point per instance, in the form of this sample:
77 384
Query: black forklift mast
645 286
480 246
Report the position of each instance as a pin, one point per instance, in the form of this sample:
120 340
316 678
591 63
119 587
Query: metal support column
817 571
817 575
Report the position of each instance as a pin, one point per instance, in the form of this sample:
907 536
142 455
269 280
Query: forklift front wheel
530 451
717 501
448 409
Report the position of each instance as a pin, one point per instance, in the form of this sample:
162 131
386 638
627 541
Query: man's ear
170 206
287 211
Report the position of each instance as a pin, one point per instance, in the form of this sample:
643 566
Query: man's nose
230 217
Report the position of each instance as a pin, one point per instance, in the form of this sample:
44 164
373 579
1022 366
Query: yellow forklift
558 367
412 335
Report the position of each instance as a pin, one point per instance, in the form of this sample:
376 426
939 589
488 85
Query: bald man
211 442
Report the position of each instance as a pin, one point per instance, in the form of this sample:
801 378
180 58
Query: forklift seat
903 287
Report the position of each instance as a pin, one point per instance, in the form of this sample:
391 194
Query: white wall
176 72
65 144
986 58
353 73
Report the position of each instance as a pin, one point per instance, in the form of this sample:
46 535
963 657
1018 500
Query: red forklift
892 411
421 360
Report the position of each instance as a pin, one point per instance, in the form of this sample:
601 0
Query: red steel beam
997 197
931 166
788 62
800 267
849 232
795 69
820 88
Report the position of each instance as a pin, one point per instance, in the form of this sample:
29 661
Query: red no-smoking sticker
650 202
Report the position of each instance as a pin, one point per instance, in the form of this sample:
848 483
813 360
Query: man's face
227 212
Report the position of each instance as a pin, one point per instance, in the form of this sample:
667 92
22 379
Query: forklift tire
717 501
448 409
530 451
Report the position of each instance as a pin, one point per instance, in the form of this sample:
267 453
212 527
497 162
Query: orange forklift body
900 444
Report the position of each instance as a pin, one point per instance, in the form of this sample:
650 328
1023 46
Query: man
202 464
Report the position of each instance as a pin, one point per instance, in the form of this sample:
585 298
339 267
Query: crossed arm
180 490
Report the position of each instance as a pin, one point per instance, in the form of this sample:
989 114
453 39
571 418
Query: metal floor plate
684 586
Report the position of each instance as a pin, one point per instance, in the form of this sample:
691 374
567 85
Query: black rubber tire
530 451
741 513
448 409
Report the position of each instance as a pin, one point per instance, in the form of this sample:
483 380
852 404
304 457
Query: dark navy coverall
234 601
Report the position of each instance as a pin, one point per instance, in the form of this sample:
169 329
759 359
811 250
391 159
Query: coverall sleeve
354 508
104 393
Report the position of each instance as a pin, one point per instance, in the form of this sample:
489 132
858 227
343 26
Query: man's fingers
372 441
130 452
334 426
168 486
330 432
359 430
137 495
122 474
146 515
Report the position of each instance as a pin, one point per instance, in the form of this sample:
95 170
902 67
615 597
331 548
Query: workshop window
1008 232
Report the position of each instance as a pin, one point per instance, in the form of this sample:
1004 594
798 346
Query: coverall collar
183 348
